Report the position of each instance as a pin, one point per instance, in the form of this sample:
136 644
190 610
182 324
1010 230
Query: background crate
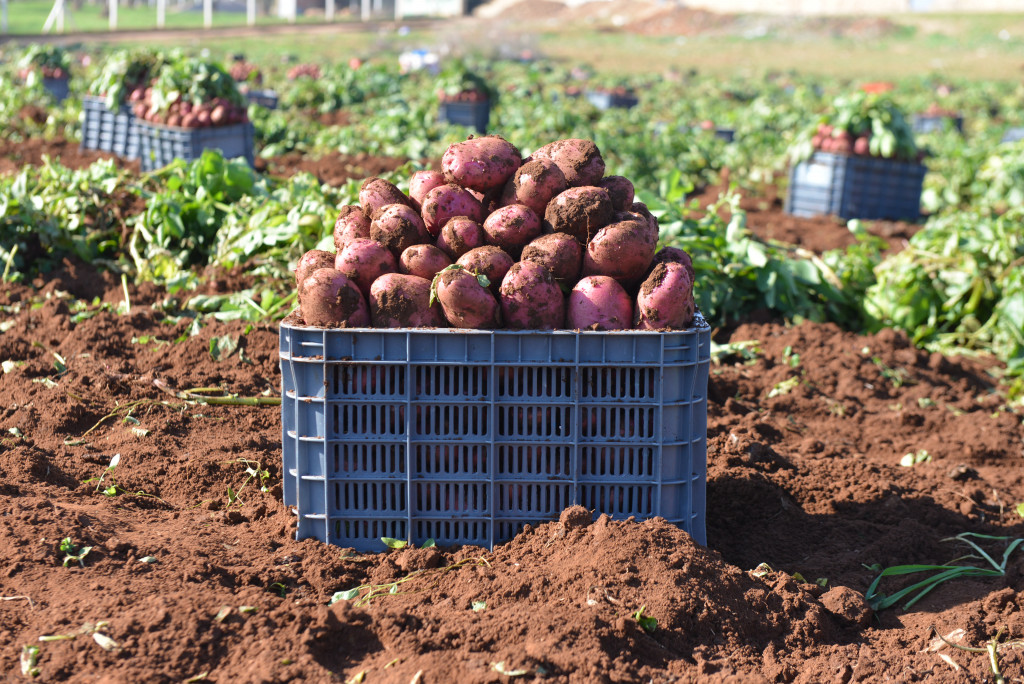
263 98
726 134
160 145
855 187
109 131
59 88
1013 135
470 114
605 101
927 123
465 436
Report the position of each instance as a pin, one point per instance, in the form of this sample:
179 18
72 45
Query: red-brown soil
332 168
15 155
806 481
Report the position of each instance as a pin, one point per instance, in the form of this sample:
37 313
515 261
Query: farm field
865 397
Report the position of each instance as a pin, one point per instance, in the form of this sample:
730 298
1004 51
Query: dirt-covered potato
466 302
446 202
423 260
622 250
377 193
351 223
535 184
311 261
580 160
665 299
531 299
398 227
421 183
670 255
512 227
489 260
598 303
459 235
560 253
620 189
481 164
328 299
364 260
580 212
403 301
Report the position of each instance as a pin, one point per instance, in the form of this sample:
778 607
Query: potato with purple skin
640 209
530 298
423 260
560 253
620 189
459 235
598 303
328 299
665 300
377 193
421 183
403 301
364 260
512 227
446 202
465 299
351 223
622 250
311 261
535 184
488 260
481 164
580 212
674 255
580 160
398 227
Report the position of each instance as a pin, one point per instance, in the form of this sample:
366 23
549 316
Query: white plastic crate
464 436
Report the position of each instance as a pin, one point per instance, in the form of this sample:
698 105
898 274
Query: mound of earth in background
804 443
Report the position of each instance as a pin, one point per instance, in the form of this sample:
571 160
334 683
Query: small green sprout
67 547
646 622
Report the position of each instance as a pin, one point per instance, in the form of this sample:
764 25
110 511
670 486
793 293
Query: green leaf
479 606
784 387
29 658
1019 508
429 544
347 595
393 543
647 623
223 347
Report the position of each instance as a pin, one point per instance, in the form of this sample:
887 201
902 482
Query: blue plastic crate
1013 135
469 114
109 131
604 101
726 134
932 123
855 187
59 88
465 436
263 98
160 145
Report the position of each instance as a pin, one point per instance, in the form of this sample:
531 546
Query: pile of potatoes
494 240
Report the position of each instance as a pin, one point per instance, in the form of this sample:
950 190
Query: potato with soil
466 300
328 299
531 299
403 301
580 212
424 261
665 300
674 255
490 261
481 164
560 253
445 202
512 227
398 227
351 223
364 260
377 193
421 183
621 191
535 184
598 303
579 160
622 250
459 235
311 261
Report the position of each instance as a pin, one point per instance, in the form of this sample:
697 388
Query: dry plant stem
19 598
197 394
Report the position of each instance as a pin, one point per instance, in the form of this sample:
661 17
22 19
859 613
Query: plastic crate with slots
933 123
263 98
465 436
1012 135
604 101
109 131
855 187
59 88
469 114
160 145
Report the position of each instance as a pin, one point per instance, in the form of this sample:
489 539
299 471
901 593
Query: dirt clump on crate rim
186 579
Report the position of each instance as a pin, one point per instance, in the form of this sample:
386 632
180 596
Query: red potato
466 301
530 298
421 183
665 299
640 209
489 260
403 301
598 303
512 227
327 298
398 227
560 253
311 261
377 193
459 235
674 255
621 191
536 183
423 260
364 260
446 202
580 212
622 250
579 160
481 164
351 223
